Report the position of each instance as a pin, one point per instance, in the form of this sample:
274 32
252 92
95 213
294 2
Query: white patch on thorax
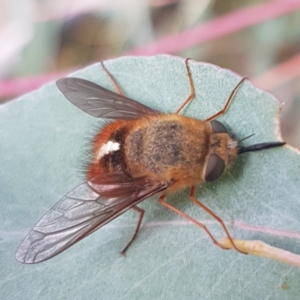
232 144
108 147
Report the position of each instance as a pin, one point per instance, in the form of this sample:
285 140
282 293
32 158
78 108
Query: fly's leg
141 212
193 199
224 109
176 210
112 79
192 94
189 98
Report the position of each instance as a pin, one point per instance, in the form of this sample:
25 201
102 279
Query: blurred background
42 40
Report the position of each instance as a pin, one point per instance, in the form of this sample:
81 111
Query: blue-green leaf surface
43 148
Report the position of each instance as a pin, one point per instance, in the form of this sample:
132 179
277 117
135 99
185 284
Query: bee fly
141 153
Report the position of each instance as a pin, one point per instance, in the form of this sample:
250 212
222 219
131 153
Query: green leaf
43 143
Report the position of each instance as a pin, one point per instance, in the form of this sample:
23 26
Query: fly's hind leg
141 212
112 79
188 99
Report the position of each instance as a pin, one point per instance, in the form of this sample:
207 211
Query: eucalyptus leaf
44 144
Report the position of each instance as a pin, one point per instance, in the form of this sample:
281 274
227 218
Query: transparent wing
82 211
101 102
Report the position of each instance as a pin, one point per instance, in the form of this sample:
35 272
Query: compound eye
215 167
217 127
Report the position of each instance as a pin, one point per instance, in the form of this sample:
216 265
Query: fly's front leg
176 210
229 100
195 201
